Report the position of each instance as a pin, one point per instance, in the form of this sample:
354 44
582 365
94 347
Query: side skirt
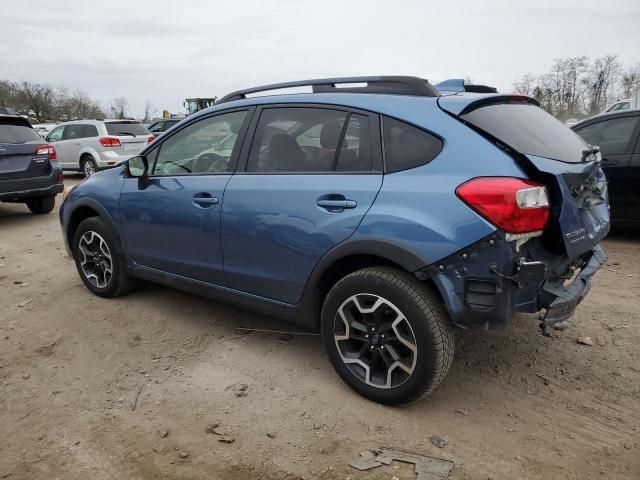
299 314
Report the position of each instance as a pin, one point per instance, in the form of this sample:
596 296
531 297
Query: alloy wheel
89 168
95 259
375 341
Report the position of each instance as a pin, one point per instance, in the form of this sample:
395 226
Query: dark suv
29 171
378 210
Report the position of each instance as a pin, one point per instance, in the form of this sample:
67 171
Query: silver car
91 145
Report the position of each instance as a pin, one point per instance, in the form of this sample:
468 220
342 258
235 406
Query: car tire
387 335
88 166
41 205
100 265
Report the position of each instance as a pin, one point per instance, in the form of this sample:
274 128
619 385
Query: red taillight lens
110 142
512 204
151 139
48 150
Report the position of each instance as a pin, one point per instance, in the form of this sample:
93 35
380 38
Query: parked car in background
617 134
161 126
92 145
626 103
29 172
376 210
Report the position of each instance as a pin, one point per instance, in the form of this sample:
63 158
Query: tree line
44 103
577 87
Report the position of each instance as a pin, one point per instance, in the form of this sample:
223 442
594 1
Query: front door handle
336 204
205 200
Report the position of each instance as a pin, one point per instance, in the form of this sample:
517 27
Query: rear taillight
151 139
48 150
514 205
110 142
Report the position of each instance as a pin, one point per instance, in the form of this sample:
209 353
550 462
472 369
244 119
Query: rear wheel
88 166
101 267
41 205
387 335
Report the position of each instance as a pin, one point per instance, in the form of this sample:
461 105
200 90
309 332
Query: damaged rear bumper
485 284
560 300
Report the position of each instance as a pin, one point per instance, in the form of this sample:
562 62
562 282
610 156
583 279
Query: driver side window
203 147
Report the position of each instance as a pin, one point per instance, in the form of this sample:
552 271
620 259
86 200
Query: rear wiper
592 150
126 133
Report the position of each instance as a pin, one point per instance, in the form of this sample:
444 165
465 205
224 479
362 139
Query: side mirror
48 138
137 167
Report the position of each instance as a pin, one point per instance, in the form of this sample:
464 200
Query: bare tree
630 82
149 111
525 85
600 83
37 100
119 107
8 93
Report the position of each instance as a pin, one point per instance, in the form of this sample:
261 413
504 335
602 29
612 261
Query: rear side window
80 131
529 130
612 136
406 146
126 128
310 140
12 133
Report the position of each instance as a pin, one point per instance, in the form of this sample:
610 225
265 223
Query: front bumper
485 284
20 189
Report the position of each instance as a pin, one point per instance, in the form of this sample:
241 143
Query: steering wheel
210 162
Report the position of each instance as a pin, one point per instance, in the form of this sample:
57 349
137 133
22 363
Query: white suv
92 145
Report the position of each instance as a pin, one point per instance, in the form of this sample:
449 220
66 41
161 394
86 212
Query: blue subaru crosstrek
380 210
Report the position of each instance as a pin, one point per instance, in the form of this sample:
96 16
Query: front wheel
101 267
387 335
41 205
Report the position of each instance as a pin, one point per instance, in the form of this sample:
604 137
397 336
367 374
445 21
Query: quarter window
55 135
310 140
406 146
203 147
612 136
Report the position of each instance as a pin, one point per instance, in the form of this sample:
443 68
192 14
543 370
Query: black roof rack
396 85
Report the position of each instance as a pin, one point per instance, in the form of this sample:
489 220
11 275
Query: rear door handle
205 200
337 204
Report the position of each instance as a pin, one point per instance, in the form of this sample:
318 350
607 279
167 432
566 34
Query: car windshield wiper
125 133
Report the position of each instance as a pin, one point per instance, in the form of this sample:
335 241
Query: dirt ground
87 385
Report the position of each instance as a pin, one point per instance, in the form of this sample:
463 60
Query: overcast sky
167 50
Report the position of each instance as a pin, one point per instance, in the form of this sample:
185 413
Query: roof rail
458 85
395 85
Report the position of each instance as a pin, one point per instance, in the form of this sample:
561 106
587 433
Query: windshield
529 130
126 128
12 133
